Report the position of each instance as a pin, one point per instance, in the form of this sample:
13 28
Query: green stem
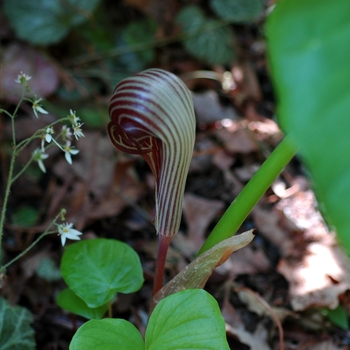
24 143
12 164
38 134
4 267
45 233
21 171
6 196
240 208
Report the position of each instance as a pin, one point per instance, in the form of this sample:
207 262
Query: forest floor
277 290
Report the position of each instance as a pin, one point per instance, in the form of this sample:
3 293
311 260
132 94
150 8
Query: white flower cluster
65 230
66 132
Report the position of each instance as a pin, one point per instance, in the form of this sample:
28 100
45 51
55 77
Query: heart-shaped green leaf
107 334
238 11
96 269
46 21
208 39
190 319
309 51
69 301
15 330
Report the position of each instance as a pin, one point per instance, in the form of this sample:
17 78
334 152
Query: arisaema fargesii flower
152 115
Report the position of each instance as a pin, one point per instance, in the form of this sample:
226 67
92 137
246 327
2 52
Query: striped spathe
152 115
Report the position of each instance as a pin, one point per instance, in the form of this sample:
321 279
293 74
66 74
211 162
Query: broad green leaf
107 334
237 11
46 21
96 269
208 39
69 301
309 51
15 330
190 319
338 316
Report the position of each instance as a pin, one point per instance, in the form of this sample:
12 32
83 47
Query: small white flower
66 231
39 156
47 136
77 130
37 108
73 118
66 133
23 79
69 151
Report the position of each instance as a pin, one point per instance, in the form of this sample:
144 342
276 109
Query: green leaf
25 216
46 21
191 18
190 319
208 40
69 301
237 11
96 269
15 330
141 32
338 317
48 270
309 51
107 334
94 117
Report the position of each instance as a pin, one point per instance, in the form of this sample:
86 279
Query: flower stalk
39 155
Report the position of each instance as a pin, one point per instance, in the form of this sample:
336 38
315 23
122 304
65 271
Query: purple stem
163 246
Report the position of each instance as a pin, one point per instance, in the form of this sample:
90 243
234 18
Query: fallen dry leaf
268 223
247 260
209 109
325 345
18 58
237 138
199 213
319 278
235 327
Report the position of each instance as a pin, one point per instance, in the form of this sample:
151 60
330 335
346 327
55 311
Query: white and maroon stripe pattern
152 115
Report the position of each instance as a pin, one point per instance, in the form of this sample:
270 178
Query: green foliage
208 39
309 50
338 317
237 11
107 334
25 216
69 301
190 319
15 330
93 117
96 269
48 270
141 32
46 22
